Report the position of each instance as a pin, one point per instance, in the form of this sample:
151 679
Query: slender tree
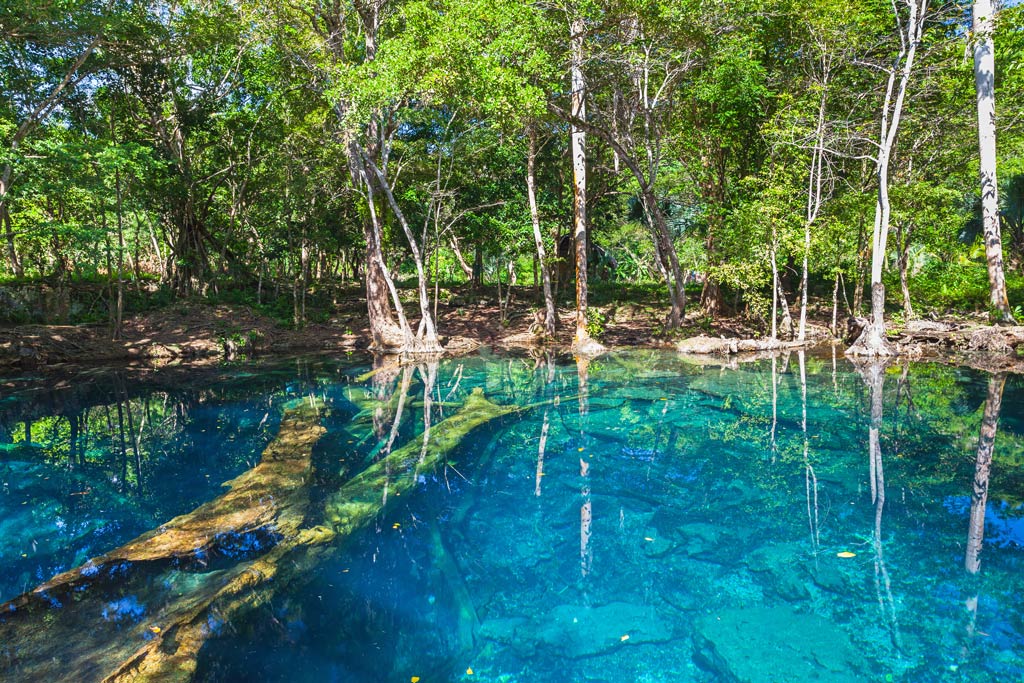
872 340
985 86
578 111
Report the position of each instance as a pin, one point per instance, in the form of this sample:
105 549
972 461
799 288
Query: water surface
641 518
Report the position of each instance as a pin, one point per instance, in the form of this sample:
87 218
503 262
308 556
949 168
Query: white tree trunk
984 86
428 342
550 316
872 341
578 110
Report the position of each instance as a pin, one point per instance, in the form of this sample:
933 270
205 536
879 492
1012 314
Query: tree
41 62
872 341
578 112
984 85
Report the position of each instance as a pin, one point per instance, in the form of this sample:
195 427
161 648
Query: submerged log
361 498
118 608
144 611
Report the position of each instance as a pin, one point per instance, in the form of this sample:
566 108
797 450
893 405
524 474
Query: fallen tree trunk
143 612
118 608
703 345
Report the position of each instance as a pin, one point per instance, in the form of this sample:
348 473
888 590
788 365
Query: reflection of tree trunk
775 403
72 439
124 451
810 478
541 447
428 373
545 427
586 510
982 469
874 377
135 446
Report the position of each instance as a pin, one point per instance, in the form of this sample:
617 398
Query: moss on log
145 610
115 611
362 497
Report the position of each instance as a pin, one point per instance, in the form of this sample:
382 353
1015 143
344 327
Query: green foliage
205 145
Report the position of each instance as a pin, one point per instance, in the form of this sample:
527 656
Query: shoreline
203 334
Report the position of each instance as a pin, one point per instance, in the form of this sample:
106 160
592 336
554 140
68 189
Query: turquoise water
643 518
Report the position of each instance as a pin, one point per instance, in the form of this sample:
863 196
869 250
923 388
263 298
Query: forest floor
196 332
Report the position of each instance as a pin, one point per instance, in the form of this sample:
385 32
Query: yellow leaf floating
469 671
580 450
624 638
415 679
155 629
846 554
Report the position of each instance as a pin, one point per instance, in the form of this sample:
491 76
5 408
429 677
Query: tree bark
872 340
427 342
550 315
12 253
984 85
814 189
578 110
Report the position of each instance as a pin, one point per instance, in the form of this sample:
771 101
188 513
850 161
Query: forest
774 161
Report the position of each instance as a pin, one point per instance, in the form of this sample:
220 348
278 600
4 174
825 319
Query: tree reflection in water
979 492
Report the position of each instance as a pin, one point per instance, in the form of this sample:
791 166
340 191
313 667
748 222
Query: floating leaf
624 638
648 538
415 679
469 671
846 554
155 629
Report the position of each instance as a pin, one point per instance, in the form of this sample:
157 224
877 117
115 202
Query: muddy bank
197 334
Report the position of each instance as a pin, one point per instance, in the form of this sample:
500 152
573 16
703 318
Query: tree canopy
734 151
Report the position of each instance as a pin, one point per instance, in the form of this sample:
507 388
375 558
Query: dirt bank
197 333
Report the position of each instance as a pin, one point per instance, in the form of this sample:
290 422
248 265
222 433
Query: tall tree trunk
384 332
982 470
577 28
467 269
550 315
984 86
787 316
872 340
835 306
427 341
773 254
12 253
119 315
814 189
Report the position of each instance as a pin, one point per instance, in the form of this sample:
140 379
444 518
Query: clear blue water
680 523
